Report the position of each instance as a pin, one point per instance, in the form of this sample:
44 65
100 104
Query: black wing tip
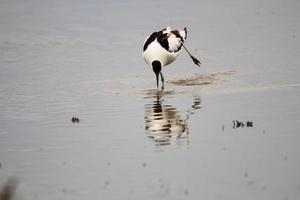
196 61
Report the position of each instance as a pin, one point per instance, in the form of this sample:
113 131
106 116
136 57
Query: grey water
65 59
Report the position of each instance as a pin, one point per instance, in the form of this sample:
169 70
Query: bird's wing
150 39
176 39
175 43
170 40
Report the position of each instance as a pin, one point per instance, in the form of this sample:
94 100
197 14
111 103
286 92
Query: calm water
64 59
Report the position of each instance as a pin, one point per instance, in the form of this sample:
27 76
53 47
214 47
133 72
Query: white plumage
163 47
165 54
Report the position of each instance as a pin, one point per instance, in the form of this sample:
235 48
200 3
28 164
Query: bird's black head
156 66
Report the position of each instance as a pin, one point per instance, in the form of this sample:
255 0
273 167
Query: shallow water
67 59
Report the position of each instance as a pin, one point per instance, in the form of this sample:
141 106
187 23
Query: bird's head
156 66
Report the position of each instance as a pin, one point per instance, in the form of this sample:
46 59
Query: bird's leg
195 60
162 81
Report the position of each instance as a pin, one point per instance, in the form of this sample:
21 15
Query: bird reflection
163 123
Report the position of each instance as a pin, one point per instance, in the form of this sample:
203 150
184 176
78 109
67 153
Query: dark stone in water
75 119
249 124
239 124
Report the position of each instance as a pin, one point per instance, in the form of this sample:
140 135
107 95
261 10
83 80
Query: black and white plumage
163 47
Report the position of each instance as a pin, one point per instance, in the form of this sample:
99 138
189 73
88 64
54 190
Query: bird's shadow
164 123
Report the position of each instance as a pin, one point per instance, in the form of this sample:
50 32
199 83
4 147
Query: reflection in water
163 123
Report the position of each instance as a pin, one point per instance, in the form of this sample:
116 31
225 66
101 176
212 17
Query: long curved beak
157 77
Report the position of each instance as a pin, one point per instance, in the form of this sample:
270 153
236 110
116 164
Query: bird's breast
156 52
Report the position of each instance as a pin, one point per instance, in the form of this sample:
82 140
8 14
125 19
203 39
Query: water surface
64 59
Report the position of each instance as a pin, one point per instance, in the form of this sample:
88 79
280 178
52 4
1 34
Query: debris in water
249 124
7 191
75 119
239 124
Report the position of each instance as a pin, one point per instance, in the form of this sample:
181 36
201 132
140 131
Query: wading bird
162 48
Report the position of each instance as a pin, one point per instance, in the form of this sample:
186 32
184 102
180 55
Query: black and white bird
162 48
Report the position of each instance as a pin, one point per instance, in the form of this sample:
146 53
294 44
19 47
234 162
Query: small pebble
144 164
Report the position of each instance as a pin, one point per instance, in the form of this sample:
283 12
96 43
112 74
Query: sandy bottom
201 79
